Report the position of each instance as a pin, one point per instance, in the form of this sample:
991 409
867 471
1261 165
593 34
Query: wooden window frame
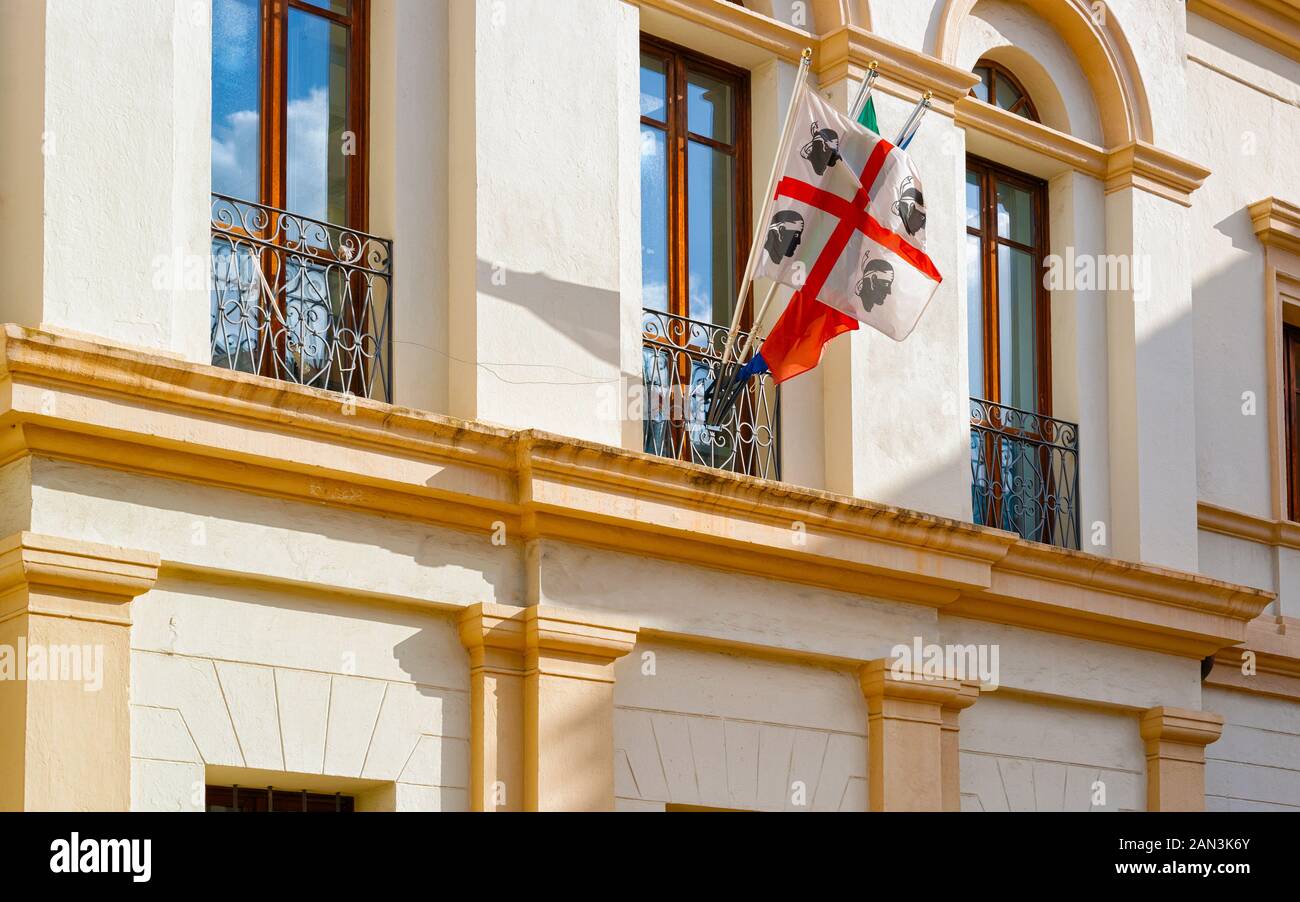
274 113
677 60
990 173
253 799
1291 410
996 69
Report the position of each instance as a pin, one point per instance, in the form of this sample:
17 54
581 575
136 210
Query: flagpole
859 102
801 81
913 123
714 413
864 90
758 321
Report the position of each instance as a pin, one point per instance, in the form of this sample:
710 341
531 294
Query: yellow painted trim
1175 741
734 21
1277 226
904 72
1239 525
1276 223
542 706
1272 23
1103 53
62 592
1136 164
105 406
30 558
1274 646
844 51
1142 165
996 122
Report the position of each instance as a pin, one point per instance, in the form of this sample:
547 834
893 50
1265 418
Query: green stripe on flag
868 116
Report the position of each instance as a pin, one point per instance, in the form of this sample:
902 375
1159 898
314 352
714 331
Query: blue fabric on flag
757 366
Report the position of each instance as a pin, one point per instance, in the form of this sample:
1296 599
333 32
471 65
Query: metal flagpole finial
873 66
806 56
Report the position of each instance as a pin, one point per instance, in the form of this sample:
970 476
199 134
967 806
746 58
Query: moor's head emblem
876 283
910 206
783 235
823 151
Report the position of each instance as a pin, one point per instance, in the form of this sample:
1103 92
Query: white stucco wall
719 730
1019 754
1247 109
409 77
295 683
105 173
545 265
1255 765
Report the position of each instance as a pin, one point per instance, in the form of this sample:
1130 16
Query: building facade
353 453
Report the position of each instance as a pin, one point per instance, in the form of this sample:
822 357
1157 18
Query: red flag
795 343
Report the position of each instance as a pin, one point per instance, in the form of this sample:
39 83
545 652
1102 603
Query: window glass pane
1015 213
973 200
975 314
1007 95
709 107
711 258
654 87
1017 329
316 165
236 57
982 89
334 6
654 218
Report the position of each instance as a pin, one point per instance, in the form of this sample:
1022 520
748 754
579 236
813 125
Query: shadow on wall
589 317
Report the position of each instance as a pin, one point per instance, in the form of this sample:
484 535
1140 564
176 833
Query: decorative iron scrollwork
300 300
1025 473
680 359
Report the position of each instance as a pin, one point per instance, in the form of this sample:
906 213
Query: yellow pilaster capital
497 633
604 637
967 694
493 634
50 575
916 696
1175 740
1179 733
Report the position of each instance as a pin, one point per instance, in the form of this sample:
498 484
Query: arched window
999 87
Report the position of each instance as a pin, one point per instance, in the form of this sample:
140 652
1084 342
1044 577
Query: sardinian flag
847 232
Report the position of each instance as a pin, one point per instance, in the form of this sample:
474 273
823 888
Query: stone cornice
1142 165
1248 527
1034 136
1276 223
1272 647
71 399
1137 164
846 52
1273 23
737 22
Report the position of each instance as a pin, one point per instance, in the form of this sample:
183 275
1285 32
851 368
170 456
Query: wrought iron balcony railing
1025 473
301 300
680 359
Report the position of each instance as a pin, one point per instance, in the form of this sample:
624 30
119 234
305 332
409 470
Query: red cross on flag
847 232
